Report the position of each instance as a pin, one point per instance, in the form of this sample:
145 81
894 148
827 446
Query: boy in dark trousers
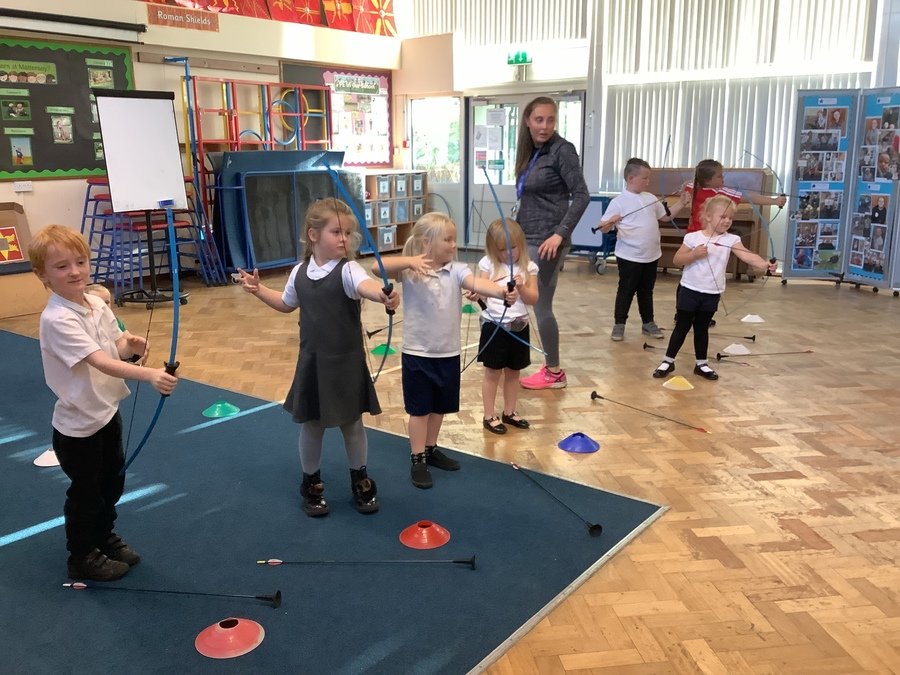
82 349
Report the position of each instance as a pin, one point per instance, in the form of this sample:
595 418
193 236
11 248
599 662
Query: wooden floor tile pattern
779 552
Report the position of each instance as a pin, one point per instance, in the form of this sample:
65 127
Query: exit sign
517 58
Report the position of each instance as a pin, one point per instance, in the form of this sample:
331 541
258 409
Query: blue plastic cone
579 442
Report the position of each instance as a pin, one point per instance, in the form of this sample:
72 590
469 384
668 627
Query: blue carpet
206 501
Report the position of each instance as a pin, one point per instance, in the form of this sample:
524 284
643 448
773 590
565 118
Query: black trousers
635 278
93 465
694 310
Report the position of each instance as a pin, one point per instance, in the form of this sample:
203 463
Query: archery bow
388 286
511 284
171 365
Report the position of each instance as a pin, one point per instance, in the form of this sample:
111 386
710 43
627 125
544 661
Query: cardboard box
21 292
14 239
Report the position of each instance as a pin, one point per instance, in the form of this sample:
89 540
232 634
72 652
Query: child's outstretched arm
490 289
684 200
158 377
420 264
271 297
372 290
755 261
472 295
764 200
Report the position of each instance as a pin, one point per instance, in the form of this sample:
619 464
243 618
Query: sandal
515 420
498 428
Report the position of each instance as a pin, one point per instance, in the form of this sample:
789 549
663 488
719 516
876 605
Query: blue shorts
430 385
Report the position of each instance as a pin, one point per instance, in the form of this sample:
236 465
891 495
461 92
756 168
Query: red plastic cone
229 638
424 534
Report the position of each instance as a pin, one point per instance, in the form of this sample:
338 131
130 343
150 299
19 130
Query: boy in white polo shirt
82 349
636 214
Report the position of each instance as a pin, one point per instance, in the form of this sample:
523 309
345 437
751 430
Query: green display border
84 48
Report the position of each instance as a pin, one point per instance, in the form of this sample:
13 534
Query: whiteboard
140 142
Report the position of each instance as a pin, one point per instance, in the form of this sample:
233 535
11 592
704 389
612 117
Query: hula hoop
293 130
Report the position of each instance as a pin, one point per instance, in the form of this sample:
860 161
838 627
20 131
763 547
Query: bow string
511 284
171 365
388 287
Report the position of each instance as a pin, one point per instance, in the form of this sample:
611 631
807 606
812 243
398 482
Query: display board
823 172
360 110
48 111
874 188
143 156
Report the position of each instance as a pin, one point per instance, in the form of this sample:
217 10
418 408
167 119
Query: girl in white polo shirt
704 255
433 281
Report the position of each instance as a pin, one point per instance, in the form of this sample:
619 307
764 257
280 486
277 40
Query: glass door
493 126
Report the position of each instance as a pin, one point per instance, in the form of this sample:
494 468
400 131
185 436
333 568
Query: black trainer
96 567
419 473
364 491
312 489
116 549
434 457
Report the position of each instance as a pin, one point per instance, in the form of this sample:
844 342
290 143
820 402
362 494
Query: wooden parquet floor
779 553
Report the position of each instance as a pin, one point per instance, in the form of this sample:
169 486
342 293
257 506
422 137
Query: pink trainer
544 379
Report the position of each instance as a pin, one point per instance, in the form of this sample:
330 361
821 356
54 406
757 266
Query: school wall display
362 16
48 113
360 111
823 171
875 184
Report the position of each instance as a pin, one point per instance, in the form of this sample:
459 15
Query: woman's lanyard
520 184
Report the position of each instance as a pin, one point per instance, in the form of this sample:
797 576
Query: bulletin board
360 110
48 113
875 186
823 172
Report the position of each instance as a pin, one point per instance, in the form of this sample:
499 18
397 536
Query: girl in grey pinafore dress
332 383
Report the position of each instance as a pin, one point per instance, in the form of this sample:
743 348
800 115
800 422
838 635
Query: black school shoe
708 374
663 372
513 419
95 566
364 491
312 489
436 458
116 549
498 428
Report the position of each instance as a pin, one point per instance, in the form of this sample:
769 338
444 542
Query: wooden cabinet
395 199
746 223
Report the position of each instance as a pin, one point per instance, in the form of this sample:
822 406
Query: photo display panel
823 172
875 181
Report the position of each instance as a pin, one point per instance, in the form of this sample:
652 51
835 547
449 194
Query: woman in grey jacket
552 196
